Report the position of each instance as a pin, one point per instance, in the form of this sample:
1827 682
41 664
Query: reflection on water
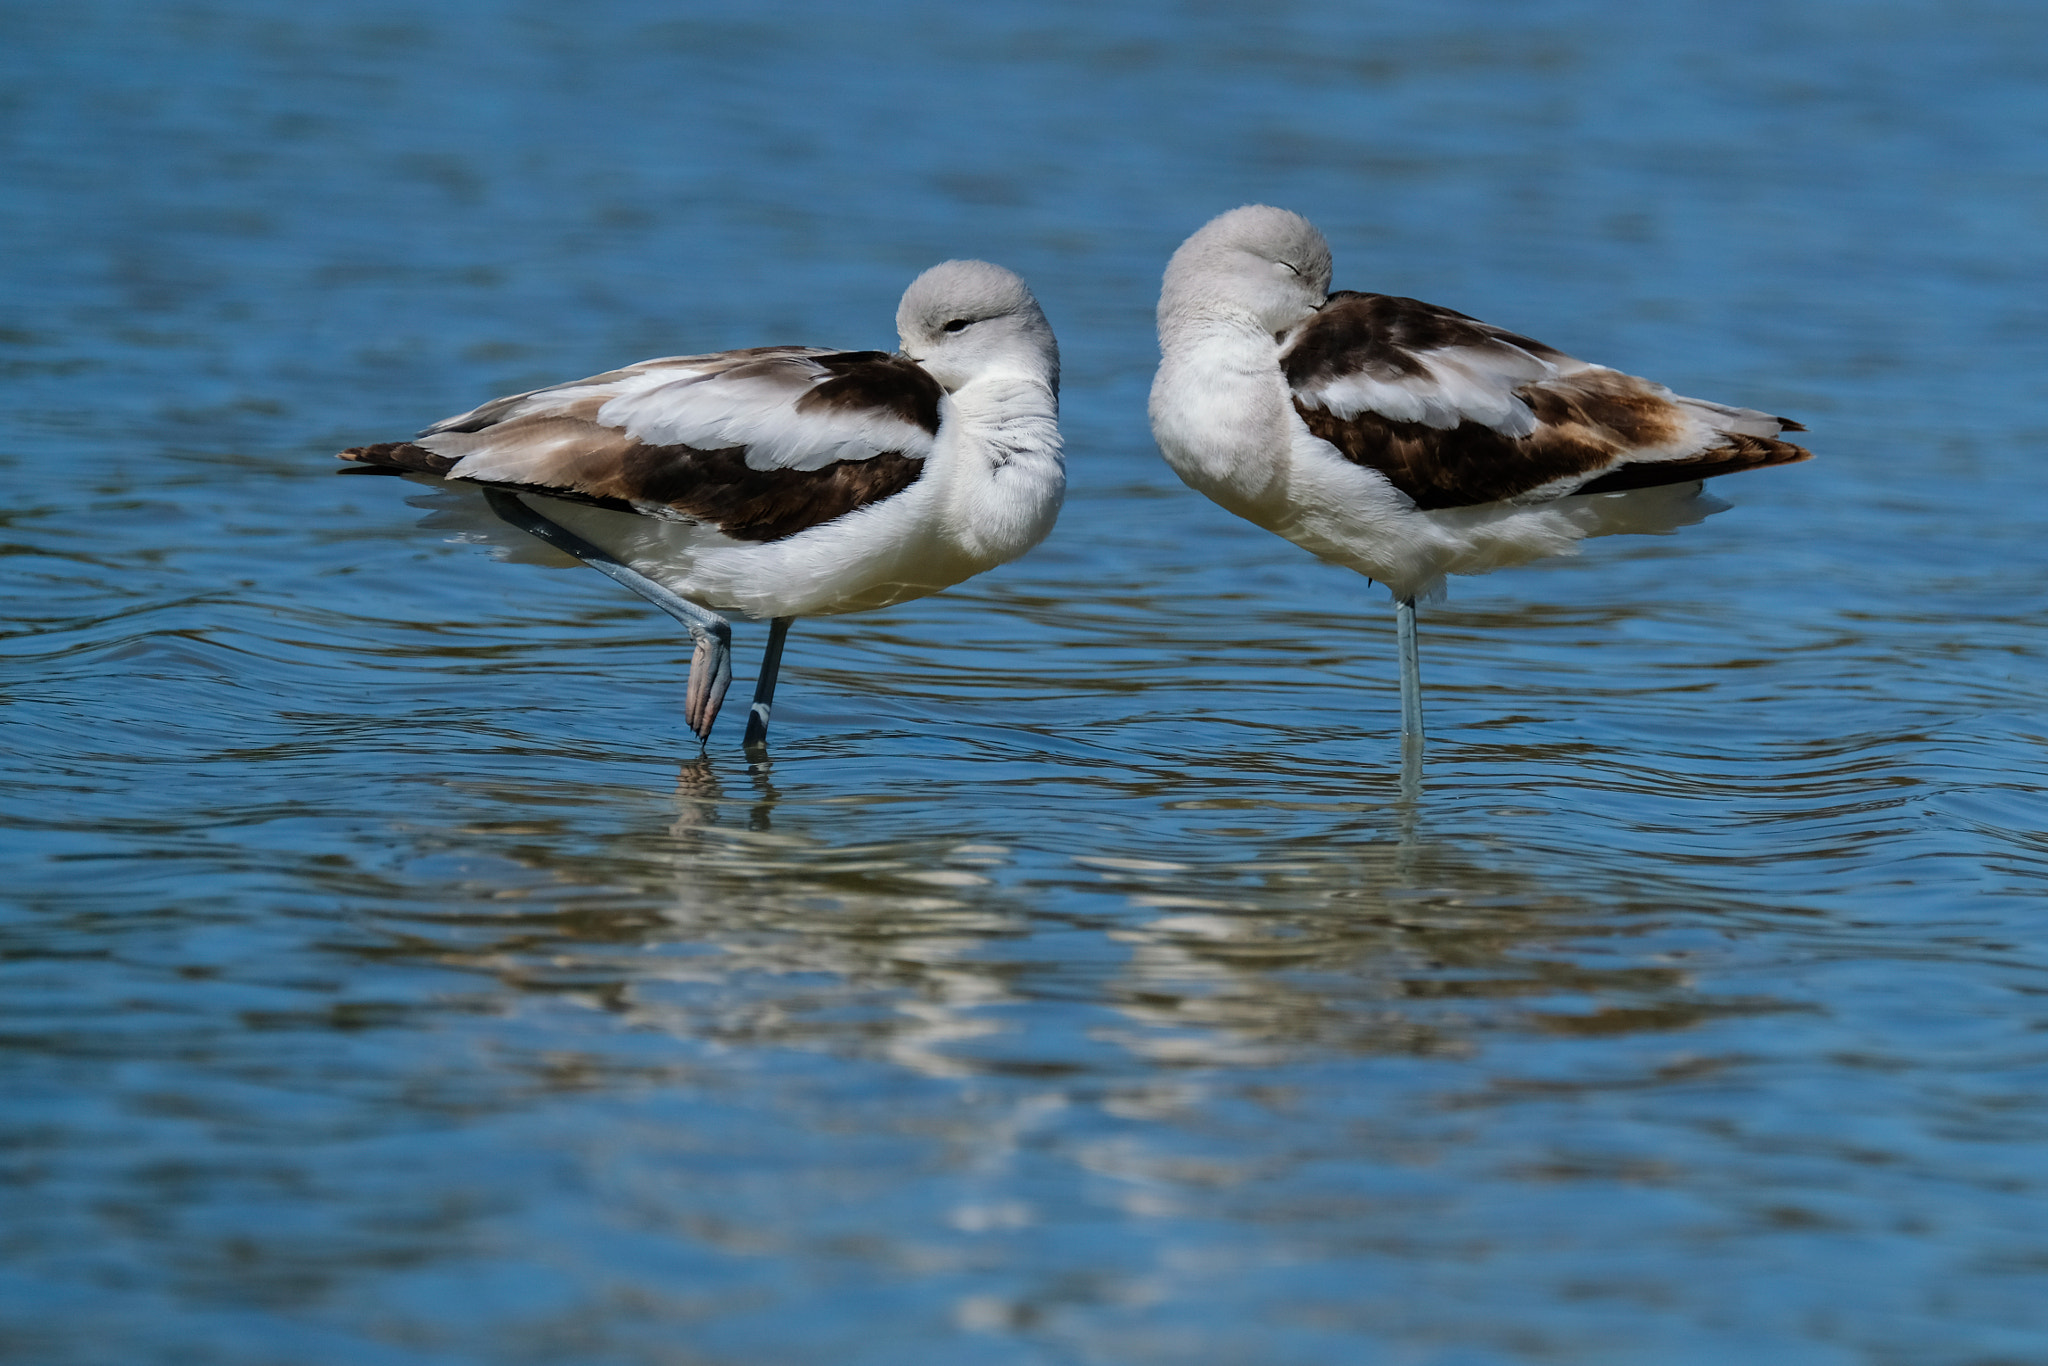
1337 940
957 1064
385 976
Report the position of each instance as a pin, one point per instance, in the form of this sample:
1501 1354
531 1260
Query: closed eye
1292 270
959 324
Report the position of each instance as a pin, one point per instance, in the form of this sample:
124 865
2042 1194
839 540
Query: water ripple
386 976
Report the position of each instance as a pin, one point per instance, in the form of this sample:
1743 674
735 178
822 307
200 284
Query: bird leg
1411 675
710 676
710 663
764 688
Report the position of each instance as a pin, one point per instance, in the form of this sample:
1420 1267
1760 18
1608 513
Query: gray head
963 320
1256 260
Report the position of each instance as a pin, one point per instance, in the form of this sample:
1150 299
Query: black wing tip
1786 424
1740 455
399 457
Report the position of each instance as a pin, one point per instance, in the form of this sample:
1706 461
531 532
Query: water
385 979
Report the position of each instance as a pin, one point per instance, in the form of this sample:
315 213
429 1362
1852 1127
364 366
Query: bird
782 481
1408 441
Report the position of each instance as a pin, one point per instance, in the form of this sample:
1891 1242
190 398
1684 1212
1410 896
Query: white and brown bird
783 481
1407 441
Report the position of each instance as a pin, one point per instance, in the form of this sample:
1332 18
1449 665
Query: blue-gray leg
710 663
764 688
1411 676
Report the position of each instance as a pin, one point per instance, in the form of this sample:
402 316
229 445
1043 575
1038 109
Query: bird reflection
885 936
761 912
1349 941
701 799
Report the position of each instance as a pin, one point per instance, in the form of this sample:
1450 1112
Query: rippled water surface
386 978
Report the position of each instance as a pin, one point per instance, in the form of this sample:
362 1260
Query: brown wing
1456 413
777 439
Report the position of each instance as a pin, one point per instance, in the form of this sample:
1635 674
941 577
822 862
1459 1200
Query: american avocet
1407 441
784 481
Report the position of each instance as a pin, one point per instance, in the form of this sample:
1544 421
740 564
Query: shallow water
384 978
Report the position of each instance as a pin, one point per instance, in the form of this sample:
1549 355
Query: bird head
965 320
1257 260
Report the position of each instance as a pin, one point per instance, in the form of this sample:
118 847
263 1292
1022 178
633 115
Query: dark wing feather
785 438
1454 412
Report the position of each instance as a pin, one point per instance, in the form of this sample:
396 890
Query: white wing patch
561 436
1459 384
718 411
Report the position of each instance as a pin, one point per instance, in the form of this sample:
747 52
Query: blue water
384 977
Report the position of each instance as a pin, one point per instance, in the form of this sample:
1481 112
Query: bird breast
1222 420
998 467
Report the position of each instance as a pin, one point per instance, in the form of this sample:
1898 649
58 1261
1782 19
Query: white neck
1220 409
999 467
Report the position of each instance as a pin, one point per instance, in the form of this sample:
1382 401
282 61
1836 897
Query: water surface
386 978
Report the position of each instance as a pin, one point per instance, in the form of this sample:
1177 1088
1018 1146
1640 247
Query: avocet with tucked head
784 481
1404 440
